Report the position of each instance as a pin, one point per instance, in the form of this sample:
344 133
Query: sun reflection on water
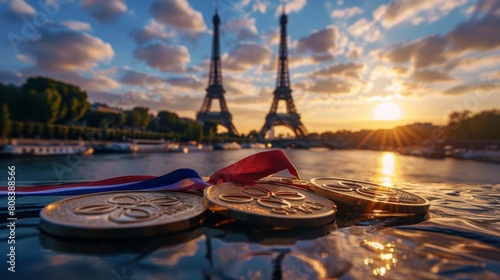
387 168
386 256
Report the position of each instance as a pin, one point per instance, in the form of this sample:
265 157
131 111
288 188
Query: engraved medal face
355 196
270 204
301 183
122 214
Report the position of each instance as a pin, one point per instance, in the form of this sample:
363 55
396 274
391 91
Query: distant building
105 108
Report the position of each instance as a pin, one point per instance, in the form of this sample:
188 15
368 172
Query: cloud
476 34
166 99
345 70
77 25
238 86
471 88
19 8
105 11
491 76
147 81
365 29
431 76
151 81
291 6
261 6
246 56
9 77
318 41
475 62
401 11
67 51
271 37
399 71
346 13
422 53
354 51
489 7
472 36
164 57
188 82
407 88
154 30
322 57
179 15
326 86
91 81
242 28
99 82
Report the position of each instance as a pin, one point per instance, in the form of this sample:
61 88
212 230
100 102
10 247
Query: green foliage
96 118
210 128
194 131
39 129
17 129
29 129
61 131
49 130
167 121
52 101
481 126
138 117
5 122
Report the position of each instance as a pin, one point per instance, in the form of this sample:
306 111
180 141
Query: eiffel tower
215 89
283 92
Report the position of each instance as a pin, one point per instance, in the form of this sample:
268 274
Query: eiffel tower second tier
215 91
283 92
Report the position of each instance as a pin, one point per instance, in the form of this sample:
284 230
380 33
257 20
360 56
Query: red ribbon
254 167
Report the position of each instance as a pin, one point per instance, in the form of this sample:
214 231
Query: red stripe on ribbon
254 167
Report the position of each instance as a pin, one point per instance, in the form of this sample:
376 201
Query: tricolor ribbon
249 169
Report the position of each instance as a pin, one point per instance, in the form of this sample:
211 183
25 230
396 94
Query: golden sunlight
387 168
387 111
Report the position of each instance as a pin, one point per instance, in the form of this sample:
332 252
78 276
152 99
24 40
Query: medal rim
367 204
272 220
58 228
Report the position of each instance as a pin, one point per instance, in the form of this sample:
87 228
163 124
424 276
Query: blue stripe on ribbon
166 182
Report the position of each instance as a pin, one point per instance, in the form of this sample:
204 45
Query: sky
424 58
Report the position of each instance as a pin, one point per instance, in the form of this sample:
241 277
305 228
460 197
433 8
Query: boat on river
45 149
149 145
227 146
116 148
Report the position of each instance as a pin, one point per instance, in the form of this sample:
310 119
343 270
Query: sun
387 111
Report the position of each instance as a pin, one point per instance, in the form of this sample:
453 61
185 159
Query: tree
97 118
10 95
167 121
5 122
46 105
133 118
210 128
73 104
194 131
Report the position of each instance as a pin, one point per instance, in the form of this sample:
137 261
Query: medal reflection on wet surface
122 214
270 204
357 197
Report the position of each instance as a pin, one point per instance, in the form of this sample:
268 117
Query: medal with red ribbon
249 169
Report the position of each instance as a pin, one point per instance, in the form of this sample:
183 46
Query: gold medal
270 204
122 214
358 197
301 183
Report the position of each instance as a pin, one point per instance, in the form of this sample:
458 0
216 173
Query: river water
458 239
381 167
